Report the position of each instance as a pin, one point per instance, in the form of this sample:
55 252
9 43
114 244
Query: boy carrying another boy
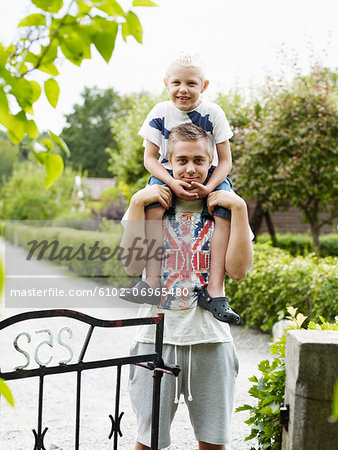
185 82
200 345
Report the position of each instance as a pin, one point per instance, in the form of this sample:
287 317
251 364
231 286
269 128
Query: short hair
188 60
188 132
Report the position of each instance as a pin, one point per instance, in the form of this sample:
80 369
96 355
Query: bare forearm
134 234
219 175
158 171
224 165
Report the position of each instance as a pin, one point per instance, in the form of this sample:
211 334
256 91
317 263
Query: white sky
238 39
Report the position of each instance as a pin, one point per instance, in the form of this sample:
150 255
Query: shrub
269 388
277 280
81 220
68 237
113 205
301 244
24 196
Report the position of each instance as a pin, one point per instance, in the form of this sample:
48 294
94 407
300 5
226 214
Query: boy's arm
134 231
220 173
239 255
157 170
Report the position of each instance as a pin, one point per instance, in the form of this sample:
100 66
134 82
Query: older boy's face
190 161
185 87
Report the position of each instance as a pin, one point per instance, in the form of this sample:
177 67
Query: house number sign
48 341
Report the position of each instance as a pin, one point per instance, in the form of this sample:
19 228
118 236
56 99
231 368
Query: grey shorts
208 391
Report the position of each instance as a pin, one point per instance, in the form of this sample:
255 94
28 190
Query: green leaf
5 116
6 392
32 130
48 143
17 129
243 408
36 91
40 152
34 20
50 69
52 6
253 379
52 91
73 48
54 168
111 7
83 7
132 27
3 55
60 142
144 3
104 39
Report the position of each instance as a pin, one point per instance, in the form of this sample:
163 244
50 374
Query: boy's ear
165 82
205 85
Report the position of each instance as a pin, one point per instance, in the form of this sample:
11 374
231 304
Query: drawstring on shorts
190 399
176 378
189 376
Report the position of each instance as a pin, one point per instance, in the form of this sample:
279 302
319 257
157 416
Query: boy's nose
190 168
183 88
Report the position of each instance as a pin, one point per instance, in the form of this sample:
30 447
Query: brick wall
289 221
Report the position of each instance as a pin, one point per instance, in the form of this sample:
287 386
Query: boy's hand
155 193
183 190
200 189
227 199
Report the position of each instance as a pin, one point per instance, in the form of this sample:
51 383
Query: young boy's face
185 86
190 161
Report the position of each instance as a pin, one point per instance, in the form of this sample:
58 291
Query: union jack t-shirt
185 267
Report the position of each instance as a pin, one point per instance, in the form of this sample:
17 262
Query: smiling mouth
183 99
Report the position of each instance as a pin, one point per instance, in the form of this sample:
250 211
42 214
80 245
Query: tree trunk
315 238
271 228
256 218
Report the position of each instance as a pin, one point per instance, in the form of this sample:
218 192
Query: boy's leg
212 296
218 248
154 235
139 446
206 446
213 394
141 394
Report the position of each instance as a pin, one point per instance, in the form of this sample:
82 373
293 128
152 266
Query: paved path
98 385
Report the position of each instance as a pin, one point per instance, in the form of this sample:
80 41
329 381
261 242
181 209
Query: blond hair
188 60
188 132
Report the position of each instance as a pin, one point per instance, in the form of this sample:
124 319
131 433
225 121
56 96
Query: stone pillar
311 371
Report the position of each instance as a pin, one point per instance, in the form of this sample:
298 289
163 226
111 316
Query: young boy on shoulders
185 81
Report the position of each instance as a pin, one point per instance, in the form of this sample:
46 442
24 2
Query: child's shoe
218 306
140 293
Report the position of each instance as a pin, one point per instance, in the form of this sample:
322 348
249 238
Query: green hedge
301 244
112 269
277 280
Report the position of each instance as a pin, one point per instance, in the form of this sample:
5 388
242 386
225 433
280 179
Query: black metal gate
152 361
